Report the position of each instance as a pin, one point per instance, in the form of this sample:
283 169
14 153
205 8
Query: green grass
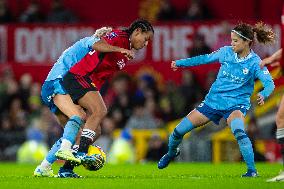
179 175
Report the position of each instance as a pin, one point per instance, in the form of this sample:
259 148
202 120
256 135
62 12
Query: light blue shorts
216 115
48 90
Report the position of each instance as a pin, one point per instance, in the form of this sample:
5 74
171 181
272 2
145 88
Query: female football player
229 96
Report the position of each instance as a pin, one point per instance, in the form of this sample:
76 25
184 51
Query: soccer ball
100 158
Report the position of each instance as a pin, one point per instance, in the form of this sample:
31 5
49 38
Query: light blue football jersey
235 81
70 57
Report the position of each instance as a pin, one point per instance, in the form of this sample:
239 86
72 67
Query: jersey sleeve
264 76
90 41
201 59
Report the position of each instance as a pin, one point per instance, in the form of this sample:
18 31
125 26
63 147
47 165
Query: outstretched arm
197 60
273 58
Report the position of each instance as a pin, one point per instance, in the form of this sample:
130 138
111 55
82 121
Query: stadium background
146 101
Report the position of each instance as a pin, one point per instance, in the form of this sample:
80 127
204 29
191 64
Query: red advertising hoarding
34 48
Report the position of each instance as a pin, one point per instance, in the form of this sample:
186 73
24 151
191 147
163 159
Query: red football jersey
102 66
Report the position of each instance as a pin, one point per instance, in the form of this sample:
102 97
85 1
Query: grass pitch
177 175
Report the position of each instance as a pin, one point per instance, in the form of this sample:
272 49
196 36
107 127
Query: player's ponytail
264 34
144 25
248 32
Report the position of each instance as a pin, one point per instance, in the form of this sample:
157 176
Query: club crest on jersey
93 85
121 64
245 71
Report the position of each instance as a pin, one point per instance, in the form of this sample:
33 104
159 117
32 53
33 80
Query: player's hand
129 54
102 31
260 99
174 66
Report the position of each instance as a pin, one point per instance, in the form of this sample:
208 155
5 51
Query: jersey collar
244 58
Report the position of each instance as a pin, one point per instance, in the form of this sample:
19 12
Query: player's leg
192 120
49 89
280 137
66 171
44 169
76 119
93 102
236 122
83 91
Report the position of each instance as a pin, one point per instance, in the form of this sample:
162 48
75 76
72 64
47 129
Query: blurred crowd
33 13
165 10
153 10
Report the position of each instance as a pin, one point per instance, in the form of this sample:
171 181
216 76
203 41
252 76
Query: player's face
140 39
238 43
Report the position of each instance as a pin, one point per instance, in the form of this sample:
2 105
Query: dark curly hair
144 25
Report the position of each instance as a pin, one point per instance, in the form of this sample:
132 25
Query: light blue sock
237 128
51 154
71 128
175 138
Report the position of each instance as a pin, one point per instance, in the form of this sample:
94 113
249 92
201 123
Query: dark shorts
77 86
216 115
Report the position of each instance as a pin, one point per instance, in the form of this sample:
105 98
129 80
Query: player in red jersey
84 80
277 59
274 60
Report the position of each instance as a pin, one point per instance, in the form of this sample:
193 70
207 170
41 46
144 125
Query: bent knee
101 113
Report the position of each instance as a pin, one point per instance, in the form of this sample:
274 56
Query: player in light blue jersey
68 113
229 96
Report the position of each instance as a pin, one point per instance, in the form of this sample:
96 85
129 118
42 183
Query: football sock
51 154
86 139
237 128
175 138
71 130
280 139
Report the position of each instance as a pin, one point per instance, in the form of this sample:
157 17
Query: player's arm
273 58
104 47
264 76
197 60
99 33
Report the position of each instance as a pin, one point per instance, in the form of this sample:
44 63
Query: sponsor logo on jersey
93 85
233 78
